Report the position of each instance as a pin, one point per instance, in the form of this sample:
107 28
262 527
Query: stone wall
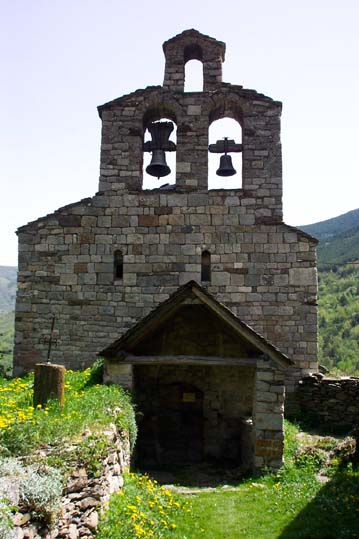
264 273
83 496
268 416
328 401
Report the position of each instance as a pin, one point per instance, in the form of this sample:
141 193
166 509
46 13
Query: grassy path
298 507
292 504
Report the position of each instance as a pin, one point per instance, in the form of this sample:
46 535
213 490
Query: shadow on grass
312 424
203 475
332 514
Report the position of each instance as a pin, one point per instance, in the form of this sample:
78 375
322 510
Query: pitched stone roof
195 34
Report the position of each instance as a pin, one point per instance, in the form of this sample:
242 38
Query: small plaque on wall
189 397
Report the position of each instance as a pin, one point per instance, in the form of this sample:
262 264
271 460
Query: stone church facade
101 264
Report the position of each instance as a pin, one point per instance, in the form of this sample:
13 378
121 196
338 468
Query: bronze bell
225 166
158 166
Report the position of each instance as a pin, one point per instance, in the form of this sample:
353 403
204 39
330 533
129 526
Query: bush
142 509
91 453
40 491
6 524
38 488
310 457
96 372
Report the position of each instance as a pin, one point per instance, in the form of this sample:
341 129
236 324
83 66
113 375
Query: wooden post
49 383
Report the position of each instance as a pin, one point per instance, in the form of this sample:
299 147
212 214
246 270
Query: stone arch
224 106
189 45
158 112
192 51
228 114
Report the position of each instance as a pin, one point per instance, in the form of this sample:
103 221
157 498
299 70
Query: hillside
7 288
6 342
338 239
338 252
339 318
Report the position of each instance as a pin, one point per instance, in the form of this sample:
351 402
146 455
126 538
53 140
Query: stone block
302 276
68 279
148 220
220 278
268 421
194 110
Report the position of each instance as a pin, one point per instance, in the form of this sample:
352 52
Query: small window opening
206 267
193 77
118 265
225 127
150 182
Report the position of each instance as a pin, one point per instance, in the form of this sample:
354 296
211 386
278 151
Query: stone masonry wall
83 497
264 273
329 401
268 416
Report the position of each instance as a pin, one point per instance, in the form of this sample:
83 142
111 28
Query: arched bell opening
159 156
193 74
225 165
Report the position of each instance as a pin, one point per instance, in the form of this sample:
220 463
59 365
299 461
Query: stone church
201 300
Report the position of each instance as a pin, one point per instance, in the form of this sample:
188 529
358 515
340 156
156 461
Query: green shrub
38 487
310 457
40 491
142 509
6 524
96 372
91 452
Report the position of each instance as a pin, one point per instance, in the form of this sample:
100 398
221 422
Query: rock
92 520
75 485
18 533
73 532
21 518
88 502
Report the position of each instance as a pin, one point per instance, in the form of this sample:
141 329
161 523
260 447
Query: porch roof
121 349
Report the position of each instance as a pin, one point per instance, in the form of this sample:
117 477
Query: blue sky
60 59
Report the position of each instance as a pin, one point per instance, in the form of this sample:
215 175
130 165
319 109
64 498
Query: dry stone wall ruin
261 269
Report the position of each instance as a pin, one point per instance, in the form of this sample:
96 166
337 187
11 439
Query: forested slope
338 239
339 318
338 265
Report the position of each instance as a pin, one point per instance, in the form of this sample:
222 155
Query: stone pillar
49 383
262 156
121 148
117 373
192 144
268 416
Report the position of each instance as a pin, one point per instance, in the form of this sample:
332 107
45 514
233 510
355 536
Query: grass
292 504
143 509
89 407
24 428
